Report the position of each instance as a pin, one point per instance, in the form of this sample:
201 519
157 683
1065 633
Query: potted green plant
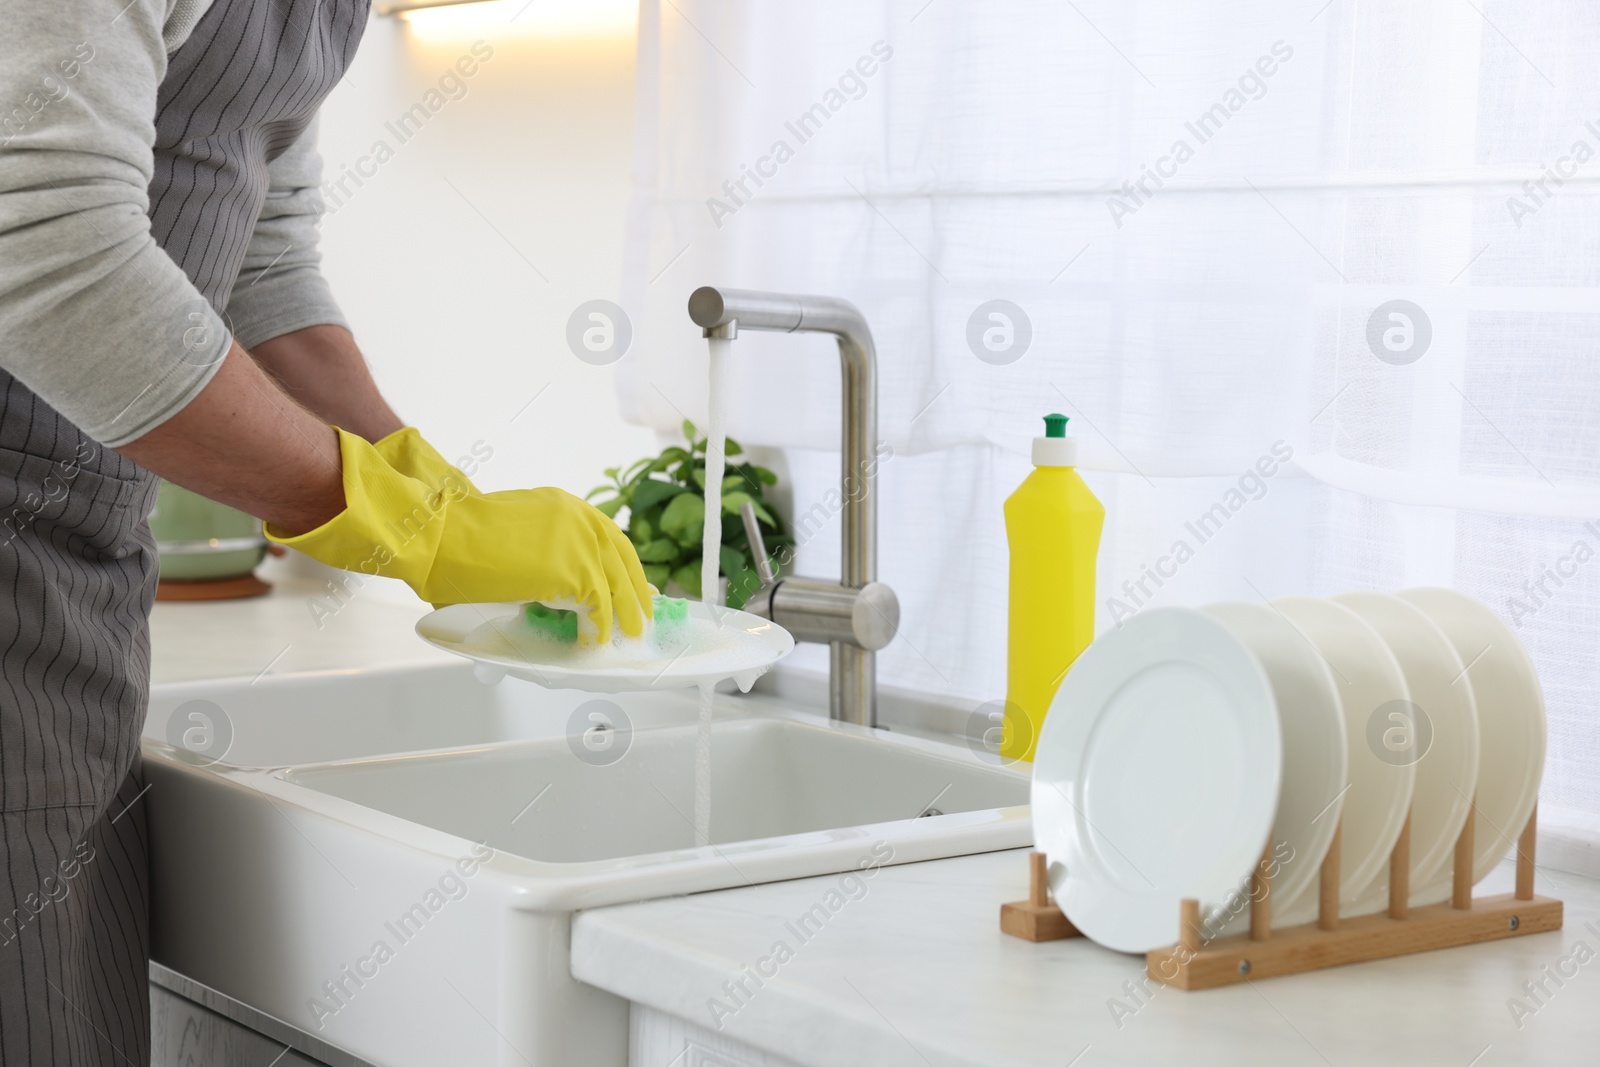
665 500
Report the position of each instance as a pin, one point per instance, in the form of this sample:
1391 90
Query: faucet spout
725 312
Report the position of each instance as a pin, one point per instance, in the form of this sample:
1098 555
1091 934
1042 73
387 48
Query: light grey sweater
95 318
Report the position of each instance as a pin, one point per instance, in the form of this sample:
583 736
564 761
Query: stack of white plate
1186 746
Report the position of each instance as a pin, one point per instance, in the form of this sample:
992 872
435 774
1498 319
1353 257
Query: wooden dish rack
1197 963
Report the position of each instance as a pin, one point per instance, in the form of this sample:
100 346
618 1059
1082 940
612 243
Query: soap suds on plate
511 636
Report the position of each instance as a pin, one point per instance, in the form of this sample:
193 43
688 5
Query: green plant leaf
661 550
732 502
652 520
667 459
740 585
688 577
650 492
666 518
745 473
684 518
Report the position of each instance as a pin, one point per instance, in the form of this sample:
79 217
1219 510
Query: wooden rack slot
1328 885
1400 873
1037 918
1461 885
1260 897
1189 925
1525 847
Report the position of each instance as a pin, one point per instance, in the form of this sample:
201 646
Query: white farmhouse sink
314 875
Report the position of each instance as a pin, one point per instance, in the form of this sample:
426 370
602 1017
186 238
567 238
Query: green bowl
201 540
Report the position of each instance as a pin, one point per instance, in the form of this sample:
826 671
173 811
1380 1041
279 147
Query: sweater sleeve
281 288
94 316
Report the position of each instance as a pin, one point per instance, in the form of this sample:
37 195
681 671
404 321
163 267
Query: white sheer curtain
1204 213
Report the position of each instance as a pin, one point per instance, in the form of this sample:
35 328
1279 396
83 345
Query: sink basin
772 777
283 720
390 859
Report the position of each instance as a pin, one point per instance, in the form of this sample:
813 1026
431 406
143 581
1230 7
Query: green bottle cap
1055 426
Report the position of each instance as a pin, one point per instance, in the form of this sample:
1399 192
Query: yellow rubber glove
407 452
456 547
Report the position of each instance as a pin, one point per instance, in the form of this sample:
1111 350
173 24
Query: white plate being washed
1156 777
1440 736
1511 721
724 643
1315 757
1371 686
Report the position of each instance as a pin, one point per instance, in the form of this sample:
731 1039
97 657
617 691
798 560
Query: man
161 313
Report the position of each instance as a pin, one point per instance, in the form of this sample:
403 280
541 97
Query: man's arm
244 442
321 368
97 319
283 313
94 317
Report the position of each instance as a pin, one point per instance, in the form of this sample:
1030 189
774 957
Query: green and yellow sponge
561 626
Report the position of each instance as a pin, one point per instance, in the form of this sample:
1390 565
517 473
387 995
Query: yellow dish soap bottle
1053 526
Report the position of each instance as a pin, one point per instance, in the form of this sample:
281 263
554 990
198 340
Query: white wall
460 329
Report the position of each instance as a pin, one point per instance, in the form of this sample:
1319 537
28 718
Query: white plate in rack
1156 777
722 643
1371 686
1511 721
1316 757
1440 738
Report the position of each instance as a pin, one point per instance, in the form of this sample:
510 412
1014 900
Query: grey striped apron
78 567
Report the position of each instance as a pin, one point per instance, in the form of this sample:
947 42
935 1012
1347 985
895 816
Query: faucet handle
868 617
758 544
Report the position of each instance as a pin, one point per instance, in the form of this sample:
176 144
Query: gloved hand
453 546
407 452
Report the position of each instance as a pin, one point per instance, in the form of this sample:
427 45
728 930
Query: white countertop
916 972
304 624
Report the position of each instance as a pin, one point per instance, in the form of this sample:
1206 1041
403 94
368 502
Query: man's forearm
322 368
244 442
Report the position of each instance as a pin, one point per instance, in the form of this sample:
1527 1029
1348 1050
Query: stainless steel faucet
857 615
